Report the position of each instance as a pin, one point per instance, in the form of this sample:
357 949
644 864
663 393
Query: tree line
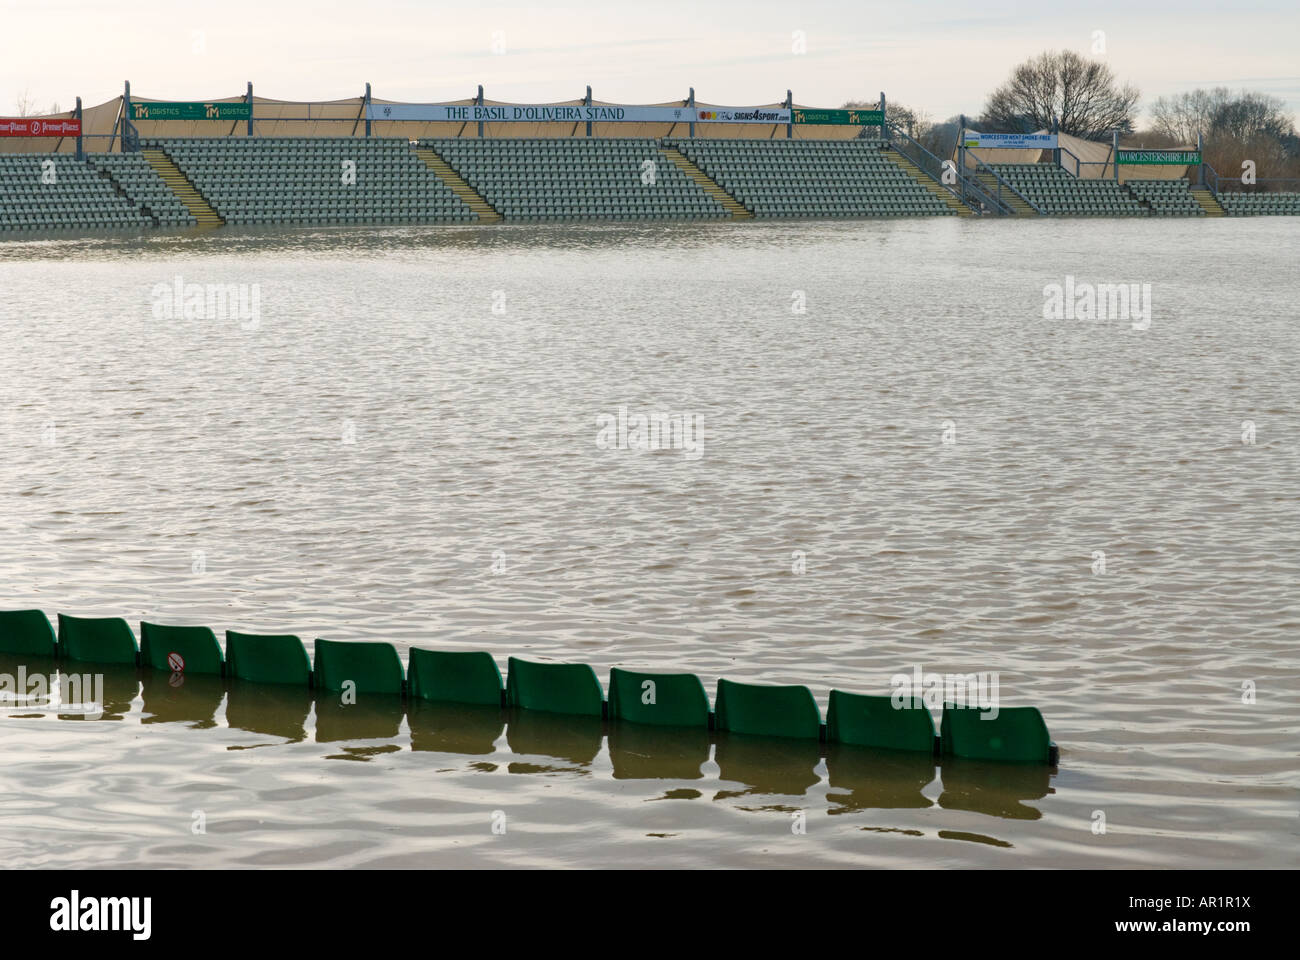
1085 99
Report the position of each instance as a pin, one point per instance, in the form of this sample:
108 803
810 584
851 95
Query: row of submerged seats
578 179
1016 734
327 180
1240 204
1056 192
1166 198
812 178
56 191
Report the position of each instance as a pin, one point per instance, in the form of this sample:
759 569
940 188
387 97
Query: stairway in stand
1208 202
1019 208
927 181
710 186
180 185
472 198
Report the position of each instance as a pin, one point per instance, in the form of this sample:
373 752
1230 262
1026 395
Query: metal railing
1217 184
1002 183
1077 172
930 164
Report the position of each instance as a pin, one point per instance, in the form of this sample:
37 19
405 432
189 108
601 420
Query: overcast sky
942 57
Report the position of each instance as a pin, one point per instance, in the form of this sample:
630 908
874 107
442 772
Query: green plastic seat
27 631
767 711
875 721
98 639
1016 734
452 677
267 658
661 699
180 649
554 688
373 666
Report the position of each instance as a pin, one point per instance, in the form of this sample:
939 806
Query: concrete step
927 181
181 187
1208 202
458 185
729 203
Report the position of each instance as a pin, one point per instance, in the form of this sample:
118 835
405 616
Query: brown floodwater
902 466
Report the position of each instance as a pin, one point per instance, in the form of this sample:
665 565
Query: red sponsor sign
35 127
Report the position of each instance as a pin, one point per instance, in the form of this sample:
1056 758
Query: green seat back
554 687
662 699
98 639
26 631
767 711
373 666
875 721
179 649
453 677
1017 733
266 658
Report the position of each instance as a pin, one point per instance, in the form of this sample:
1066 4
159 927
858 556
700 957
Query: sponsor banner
525 113
31 127
184 110
1159 156
856 118
1009 141
745 115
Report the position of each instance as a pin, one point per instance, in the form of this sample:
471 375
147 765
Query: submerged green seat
876 721
180 649
662 699
98 639
26 631
373 666
767 711
267 658
1016 733
554 687
454 677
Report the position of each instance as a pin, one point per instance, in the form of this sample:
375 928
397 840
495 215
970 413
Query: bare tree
913 121
24 103
1236 127
1251 115
1184 115
1083 94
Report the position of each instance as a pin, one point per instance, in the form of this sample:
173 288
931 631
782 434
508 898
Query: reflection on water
121 685
877 779
998 789
766 765
575 740
464 728
272 709
375 716
640 752
176 698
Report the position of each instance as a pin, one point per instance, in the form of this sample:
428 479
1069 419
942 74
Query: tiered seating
288 180
812 178
1260 204
1168 198
577 179
79 198
1058 193
143 187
